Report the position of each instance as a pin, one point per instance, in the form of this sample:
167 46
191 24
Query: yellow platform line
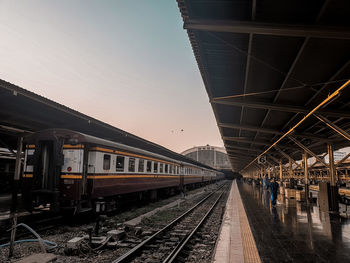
250 251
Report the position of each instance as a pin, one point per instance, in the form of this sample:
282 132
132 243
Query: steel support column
281 171
290 168
333 180
306 177
332 170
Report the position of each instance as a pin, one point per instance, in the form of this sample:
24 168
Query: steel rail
184 241
132 252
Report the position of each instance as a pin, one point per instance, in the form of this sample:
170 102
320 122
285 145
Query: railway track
166 244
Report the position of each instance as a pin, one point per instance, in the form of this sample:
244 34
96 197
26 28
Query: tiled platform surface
236 242
293 232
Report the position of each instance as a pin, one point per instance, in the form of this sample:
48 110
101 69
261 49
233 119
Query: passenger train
73 171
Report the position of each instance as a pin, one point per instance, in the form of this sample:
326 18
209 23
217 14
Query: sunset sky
127 63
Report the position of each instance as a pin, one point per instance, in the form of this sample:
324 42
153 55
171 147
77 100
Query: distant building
213 156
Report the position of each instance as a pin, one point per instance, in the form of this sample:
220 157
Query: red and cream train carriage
69 169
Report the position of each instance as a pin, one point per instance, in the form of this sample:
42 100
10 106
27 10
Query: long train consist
75 171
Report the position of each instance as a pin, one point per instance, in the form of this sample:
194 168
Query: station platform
253 231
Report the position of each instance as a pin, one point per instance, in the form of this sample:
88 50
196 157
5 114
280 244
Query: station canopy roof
265 65
23 112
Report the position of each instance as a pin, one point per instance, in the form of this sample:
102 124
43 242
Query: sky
127 63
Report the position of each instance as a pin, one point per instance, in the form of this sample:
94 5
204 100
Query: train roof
74 137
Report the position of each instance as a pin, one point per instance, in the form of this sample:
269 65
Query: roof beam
334 127
287 156
239 158
263 143
322 89
275 29
247 66
269 131
308 150
278 107
241 148
292 67
240 153
249 128
273 158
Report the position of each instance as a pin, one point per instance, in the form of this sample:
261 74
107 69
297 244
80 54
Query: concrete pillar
306 177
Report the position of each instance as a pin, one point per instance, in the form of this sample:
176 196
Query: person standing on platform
266 183
274 190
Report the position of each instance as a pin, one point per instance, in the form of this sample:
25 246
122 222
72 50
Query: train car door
48 159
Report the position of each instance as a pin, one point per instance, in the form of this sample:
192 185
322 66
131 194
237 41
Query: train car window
120 163
155 168
166 168
149 166
161 168
131 165
106 162
141 167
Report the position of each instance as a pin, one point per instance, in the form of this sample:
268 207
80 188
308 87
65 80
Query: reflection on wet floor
293 232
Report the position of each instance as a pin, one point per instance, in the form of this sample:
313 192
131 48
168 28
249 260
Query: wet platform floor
293 232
